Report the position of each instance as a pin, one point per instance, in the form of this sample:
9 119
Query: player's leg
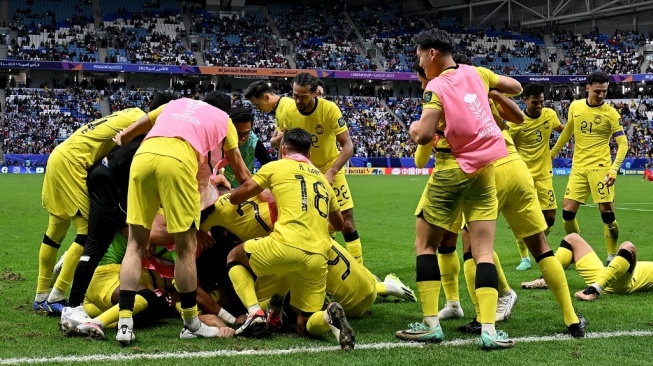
349 232
449 271
576 193
56 232
616 277
610 228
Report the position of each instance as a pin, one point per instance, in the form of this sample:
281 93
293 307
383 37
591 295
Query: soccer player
261 95
107 184
324 121
319 91
593 123
624 275
299 244
248 143
65 197
648 174
184 135
532 142
456 107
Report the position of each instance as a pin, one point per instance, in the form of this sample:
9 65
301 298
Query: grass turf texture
384 218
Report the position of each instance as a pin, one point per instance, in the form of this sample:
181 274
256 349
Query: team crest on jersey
319 129
598 119
546 125
427 96
341 122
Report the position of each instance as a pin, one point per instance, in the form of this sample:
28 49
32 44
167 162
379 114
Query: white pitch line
625 208
276 352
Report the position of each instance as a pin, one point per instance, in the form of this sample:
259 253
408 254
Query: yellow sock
243 283
523 250
186 314
617 268
381 290
355 248
503 286
469 267
92 310
611 234
68 269
125 313
47 259
564 256
429 291
317 325
487 303
555 278
449 269
110 316
571 226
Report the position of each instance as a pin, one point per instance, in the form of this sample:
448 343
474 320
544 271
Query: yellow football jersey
532 141
592 127
249 220
324 123
94 140
304 200
348 281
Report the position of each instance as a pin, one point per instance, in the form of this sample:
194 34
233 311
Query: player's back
94 140
249 220
593 128
323 123
304 199
348 281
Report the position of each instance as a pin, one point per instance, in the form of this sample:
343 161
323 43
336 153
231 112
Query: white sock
41 297
489 327
597 287
192 324
253 309
56 295
453 304
334 330
610 257
392 289
431 321
226 316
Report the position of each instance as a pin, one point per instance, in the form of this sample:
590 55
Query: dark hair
257 89
306 79
532 89
461 58
598 77
159 99
219 100
298 140
240 115
419 70
434 38
320 83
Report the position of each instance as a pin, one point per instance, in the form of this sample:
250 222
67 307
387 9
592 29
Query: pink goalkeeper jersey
204 127
473 135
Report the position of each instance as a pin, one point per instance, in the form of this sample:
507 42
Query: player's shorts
518 199
546 194
459 223
451 191
583 182
64 192
163 180
341 188
266 286
360 307
306 271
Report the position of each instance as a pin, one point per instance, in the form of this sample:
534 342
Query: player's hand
493 94
240 320
330 175
220 180
265 196
118 138
225 332
204 241
610 178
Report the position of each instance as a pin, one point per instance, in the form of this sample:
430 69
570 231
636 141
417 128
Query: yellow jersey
324 123
532 141
304 200
348 281
249 220
592 128
94 140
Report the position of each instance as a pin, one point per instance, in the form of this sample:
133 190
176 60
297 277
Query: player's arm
423 155
245 191
560 128
346 152
261 153
142 126
622 150
565 135
508 109
423 131
233 154
276 138
507 85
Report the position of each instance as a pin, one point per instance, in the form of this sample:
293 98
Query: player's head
421 75
304 86
242 119
319 92
296 141
533 96
260 94
219 100
159 99
597 87
433 47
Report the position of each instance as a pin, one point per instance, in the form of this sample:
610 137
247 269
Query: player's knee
570 239
628 246
568 215
550 220
48 241
607 217
81 239
628 255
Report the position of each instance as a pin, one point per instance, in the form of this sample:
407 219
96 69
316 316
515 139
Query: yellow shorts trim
585 182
